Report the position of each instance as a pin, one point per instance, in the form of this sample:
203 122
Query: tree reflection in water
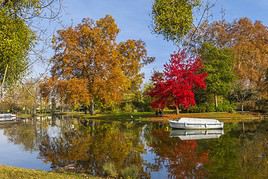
23 134
121 149
99 149
182 158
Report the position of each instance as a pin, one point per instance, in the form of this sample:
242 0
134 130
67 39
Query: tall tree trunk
85 109
3 82
53 106
61 107
35 104
242 107
92 109
34 111
216 100
53 120
177 110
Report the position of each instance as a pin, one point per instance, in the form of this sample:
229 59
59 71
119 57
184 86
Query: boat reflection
196 134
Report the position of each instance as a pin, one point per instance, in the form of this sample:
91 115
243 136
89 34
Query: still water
136 149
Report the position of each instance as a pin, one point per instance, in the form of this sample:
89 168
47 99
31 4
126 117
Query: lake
136 149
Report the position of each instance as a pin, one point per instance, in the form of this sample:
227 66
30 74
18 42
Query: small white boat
7 115
195 123
196 134
7 118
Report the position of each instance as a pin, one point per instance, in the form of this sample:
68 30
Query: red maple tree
175 86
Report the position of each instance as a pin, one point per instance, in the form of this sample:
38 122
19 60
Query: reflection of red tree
183 158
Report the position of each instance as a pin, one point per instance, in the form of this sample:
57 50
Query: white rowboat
7 115
7 118
196 123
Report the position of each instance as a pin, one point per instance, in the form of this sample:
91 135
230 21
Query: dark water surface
135 149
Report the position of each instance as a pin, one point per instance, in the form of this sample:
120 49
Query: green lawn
150 116
19 173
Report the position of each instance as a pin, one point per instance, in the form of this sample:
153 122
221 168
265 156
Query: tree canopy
173 18
27 9
175 86
90 52
219 66
16 39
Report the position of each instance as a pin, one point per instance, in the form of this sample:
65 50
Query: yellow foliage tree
90 52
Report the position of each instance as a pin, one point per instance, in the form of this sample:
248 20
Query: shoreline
150 116
9 172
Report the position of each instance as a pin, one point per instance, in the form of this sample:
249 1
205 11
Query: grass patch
19 173
150 116
24 116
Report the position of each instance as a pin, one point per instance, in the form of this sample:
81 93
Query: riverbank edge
7 172
150 116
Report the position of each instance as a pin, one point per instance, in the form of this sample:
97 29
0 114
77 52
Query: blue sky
134 20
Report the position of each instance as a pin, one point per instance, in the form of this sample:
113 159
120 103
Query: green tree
29 9
248 41
173 18
219 66
16 39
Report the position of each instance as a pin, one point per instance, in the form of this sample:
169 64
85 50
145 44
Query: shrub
202 108
225 107
130 172
109 169
211 108
128 107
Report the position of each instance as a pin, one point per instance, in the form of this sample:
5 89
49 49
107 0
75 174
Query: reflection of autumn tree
243 152
89 149
182 157
254 158
23 134
224 156
254 152
61 153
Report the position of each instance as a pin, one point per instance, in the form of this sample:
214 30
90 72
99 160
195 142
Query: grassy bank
24 116
150 116
19 173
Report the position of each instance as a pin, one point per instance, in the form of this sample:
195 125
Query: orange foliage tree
72 92
88 57
248 41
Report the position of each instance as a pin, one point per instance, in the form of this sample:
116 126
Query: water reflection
137 150
99 149
196 134
182 158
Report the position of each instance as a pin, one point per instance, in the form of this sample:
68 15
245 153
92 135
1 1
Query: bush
130 172
142 106
109 169
227 107
201 108
128 107
197 109
193 109
115 109
211 108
